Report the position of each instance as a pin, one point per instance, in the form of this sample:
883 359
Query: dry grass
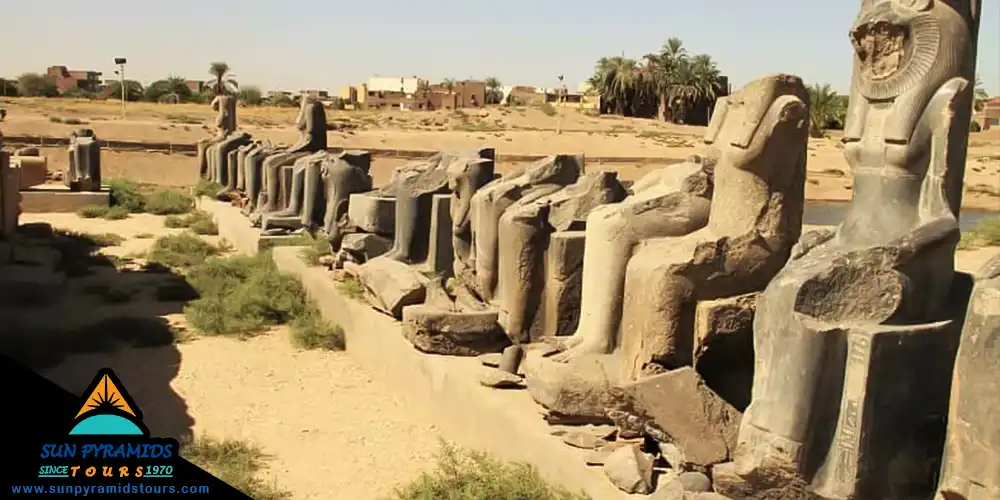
236 463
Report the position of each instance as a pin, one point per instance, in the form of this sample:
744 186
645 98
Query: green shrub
312 331
169 201
243 296
175 221
181 250
236 463
125 193
116 213
205 227
986 233
548 109
199 222
207 188
105 239
352 288
92 211
313 249
469 475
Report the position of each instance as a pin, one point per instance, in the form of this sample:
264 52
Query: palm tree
449 83
825 106
615 80
663 70
696 81
224 82
980 96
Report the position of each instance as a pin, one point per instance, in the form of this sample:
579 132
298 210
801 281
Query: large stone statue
320 179
414 191
225 124
651 258
539 179
84 170
525 229
972 447
464 180
311 124
854 339
345 174
218 149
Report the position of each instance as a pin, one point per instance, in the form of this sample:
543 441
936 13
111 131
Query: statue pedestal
58 198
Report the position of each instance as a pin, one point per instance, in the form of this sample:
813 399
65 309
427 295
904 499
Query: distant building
67 80
989 116
196 86
318 94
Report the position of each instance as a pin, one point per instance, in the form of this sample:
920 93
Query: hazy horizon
309 44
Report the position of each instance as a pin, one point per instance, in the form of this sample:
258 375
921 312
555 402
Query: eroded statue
972 445
525 229
414 190
311 124
854 339
488 204
83 173
227 140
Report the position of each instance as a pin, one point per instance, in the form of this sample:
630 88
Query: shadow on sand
67 311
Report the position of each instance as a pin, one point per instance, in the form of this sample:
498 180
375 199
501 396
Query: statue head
769 116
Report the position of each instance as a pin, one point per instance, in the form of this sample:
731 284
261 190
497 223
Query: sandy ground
509 130
331 431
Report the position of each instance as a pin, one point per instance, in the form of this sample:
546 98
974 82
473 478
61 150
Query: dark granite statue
972 446
84 170
855 337
311 124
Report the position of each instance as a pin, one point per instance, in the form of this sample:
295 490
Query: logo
107 441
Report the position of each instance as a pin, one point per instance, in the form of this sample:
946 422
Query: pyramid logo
108 410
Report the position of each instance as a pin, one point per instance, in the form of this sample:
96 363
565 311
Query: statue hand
811 240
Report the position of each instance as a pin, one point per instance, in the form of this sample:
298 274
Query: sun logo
108 410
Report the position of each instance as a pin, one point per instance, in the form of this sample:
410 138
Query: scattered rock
578 390
586 439
392 284
491 359
511 359
500 380
630 470
453 333
326 261
695 482
669 489
672 454
679 407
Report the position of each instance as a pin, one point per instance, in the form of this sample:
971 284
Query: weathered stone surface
573 390
670 489
500 380
588 437
510 361
695 482
83 171
630 470
456 333
372 213
723 346
679 405
854 338
972 445
392 285
365 246
490 359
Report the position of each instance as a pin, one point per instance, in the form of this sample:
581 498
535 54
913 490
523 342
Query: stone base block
34 169
578 389
56 198
372 214
438 331
392 285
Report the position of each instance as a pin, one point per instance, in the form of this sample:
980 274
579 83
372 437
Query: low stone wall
235 228
506 423
59 199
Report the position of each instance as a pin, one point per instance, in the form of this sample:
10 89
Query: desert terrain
511 130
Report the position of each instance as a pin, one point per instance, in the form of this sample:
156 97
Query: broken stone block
668 489
392 285
491 359
723 346
588 438
500 380
511 358
695 482
365 246
678 407
372 213
630 470
456 333
575 391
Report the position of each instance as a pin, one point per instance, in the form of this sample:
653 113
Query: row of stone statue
851 334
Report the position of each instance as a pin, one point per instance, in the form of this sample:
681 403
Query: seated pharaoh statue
227 140
525 229
311 124
488 204
972 445
83 173
321 182
855 338
414 190
721 225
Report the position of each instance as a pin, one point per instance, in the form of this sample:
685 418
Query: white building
404 84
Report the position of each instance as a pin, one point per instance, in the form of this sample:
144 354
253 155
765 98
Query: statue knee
604 222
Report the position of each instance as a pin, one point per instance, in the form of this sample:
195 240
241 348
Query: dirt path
331 431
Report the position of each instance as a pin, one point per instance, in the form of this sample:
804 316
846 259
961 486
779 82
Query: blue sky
296 44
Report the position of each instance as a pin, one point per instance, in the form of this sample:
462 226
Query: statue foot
584 348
